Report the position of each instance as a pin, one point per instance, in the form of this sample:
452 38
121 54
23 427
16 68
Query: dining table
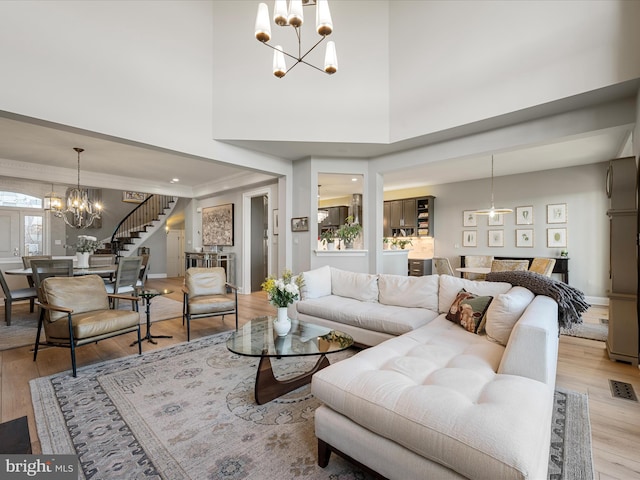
477 270
102 270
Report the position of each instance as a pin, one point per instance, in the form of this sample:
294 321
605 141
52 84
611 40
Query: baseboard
157 275
602 301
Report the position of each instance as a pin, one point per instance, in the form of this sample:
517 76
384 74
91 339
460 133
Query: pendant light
493 211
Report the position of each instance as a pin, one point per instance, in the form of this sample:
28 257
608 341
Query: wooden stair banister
138 220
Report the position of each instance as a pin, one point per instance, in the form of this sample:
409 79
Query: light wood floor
583 366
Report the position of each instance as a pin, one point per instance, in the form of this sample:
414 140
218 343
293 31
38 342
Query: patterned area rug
24 325
188 412
592 331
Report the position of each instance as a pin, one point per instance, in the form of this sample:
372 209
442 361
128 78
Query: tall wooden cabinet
414 216
622 341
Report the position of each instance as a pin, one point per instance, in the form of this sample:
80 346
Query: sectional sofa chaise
432 398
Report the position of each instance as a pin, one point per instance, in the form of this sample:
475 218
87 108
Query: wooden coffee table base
269 387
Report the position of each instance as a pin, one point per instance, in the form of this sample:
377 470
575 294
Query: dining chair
144 271
42 269
26 262
543 266
477 261
103 260
16 295
75 311
509 265
442 266
126 277
205 295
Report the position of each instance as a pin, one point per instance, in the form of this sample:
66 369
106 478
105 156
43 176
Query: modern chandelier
493 211
80 211
293 17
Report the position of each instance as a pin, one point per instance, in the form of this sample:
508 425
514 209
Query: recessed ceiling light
174 180
354 179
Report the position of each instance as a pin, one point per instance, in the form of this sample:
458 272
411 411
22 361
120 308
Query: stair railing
138 220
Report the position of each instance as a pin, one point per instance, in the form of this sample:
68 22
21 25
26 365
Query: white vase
282 324
83 259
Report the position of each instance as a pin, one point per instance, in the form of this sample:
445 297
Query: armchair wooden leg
139 342
324 453
188 327
7 311
35 347
31 305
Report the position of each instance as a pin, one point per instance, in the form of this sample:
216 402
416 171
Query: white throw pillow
361 286
403 291
450 286
505 310
317 283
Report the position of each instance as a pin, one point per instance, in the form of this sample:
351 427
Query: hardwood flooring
583 366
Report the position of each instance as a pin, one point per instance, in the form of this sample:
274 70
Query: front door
10 234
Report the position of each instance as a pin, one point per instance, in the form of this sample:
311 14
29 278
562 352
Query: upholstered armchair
543 266
442 266
205 295
75 311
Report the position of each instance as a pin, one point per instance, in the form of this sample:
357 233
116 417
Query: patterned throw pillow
468 309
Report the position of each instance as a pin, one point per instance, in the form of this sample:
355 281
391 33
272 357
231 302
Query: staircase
140 224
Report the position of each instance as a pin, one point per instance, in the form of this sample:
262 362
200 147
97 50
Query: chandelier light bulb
279 65
280 13
263 29
331 59
324 25
295 18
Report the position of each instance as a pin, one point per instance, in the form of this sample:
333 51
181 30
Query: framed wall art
133 197
217 225
524 237
469 218
496 220
469 238
300 224
557 237
524 215
557 213
496 238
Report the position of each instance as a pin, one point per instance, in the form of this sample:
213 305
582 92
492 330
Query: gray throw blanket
571 302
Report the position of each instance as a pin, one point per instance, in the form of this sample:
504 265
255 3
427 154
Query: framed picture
133 197
469 218
524 237
276 223
469 238
524 215
557 237
557 213
496 220
496 238
217 225
300 224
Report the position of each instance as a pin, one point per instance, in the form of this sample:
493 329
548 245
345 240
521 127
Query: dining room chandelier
293 17
493 211
80 211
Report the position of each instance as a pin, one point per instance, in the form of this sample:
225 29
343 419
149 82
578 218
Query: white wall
454 63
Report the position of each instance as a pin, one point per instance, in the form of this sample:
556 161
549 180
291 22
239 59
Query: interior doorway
259 241
175 253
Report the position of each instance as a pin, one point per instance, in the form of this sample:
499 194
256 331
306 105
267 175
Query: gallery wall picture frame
276 222
557 213
496 238
556 237
300 224
496 220
524 237
133 197
524 215
469 218
217 225
469 238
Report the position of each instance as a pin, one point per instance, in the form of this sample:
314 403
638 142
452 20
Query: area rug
188 412
24 325
592 331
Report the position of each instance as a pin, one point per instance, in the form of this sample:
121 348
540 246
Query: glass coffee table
257 338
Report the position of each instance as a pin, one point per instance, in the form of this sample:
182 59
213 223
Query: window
19 200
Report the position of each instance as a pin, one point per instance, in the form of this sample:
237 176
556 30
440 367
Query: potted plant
349 232
328 239
86 246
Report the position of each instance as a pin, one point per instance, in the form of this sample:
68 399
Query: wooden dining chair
16 295
126 277
42 269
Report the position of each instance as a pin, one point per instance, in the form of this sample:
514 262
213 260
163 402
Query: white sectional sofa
432 399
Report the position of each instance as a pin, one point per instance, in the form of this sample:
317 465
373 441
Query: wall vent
622 390
604 321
